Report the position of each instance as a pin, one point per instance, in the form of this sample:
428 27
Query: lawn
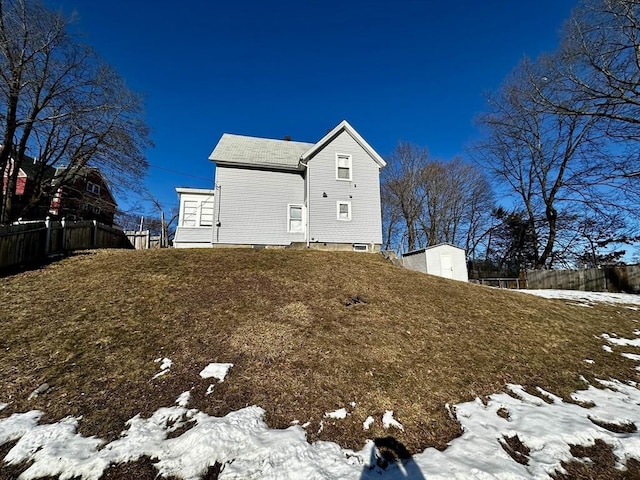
307 332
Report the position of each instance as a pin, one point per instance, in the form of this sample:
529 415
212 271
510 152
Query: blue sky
396 70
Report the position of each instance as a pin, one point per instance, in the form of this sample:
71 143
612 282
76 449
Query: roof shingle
240 149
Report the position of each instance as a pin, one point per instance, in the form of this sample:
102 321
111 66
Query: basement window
360 247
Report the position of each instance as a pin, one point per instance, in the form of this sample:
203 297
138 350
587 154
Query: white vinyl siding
344 211
295 218
362 192
344 167
252 205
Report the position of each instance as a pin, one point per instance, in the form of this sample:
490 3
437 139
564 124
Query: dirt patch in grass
516 449
597 462
307 332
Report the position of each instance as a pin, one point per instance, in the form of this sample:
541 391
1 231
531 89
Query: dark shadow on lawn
389 452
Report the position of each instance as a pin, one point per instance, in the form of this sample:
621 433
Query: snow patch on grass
388 421
623 342
164 366
216 370
587 297
631 356
341 413
183 399
247 448
366 425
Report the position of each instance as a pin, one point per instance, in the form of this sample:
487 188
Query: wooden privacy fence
142 239
605 279
30 243
501 282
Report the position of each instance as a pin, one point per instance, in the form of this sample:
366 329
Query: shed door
446 266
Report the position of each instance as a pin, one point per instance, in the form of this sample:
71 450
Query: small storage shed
443 260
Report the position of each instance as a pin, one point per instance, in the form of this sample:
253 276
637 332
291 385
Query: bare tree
556 163
596 70
403 194
427 201
61 106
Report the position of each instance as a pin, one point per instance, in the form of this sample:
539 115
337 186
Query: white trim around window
93 188
344 167
295 218
343 211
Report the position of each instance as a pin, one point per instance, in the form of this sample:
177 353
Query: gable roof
343 126
241 150
84 173
252 151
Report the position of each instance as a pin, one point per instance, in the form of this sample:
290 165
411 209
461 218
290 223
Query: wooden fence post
47 242
94 237
64 234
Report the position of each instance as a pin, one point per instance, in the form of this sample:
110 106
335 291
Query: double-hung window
206 213
190 213
295 222
343 210
93 188
344 167
197 213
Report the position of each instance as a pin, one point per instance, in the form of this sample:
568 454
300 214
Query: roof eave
344 125
263 166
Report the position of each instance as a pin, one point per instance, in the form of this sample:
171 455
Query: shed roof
422 250
253 151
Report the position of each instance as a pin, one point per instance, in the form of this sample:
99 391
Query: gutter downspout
306 203
215 233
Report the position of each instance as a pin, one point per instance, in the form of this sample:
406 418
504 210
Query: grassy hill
308 332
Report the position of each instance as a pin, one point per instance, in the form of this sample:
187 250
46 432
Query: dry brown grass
91 326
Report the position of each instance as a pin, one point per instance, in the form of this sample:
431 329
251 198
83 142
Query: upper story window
344 167
93 188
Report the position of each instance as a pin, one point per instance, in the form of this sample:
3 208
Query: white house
278 193
443 260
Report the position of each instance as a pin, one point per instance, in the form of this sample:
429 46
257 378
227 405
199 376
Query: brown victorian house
86 197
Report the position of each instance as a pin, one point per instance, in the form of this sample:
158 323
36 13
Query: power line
181 173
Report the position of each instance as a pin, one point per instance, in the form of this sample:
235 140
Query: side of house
279 193
344 192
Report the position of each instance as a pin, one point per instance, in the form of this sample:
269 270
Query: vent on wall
360 247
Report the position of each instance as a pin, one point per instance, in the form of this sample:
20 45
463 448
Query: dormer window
93 188
343 167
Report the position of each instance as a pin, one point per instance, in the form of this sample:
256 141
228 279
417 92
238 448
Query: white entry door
446 266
